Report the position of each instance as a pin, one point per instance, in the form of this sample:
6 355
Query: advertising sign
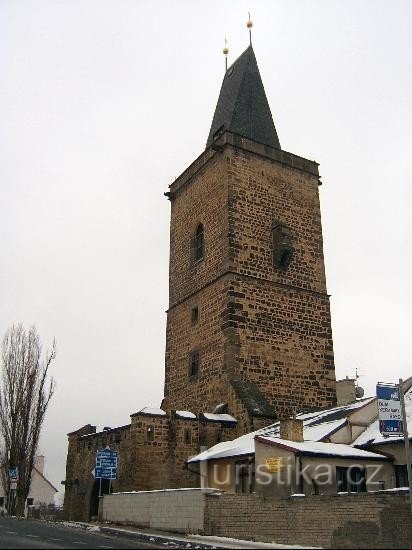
389 408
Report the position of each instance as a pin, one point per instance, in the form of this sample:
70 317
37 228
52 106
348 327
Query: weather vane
249 25
225 52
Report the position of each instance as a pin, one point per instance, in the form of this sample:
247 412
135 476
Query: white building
41 492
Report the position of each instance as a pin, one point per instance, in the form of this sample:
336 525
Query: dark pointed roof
242 107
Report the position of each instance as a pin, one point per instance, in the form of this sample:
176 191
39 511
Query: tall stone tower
248 325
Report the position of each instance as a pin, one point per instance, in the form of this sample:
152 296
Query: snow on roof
320 448
317 432
342 411
185 414
372 435
316 426
219 417
244 445
152 411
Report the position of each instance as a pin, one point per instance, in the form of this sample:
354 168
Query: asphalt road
22 533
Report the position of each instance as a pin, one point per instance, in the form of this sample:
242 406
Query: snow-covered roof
185 414
151 412
317 425
213 417
244 445
372 434
319 448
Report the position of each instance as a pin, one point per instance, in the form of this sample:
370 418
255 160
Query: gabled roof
45 479
252 398
242 107
317 426
318 448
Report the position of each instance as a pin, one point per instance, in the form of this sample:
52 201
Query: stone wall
364 520
144 463
257 322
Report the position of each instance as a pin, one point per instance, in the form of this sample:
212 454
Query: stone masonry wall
205 391
256 322
364 520
143 464
281 317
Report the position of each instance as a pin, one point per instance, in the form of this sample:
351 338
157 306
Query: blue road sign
13 474
389 407
105 473
106 464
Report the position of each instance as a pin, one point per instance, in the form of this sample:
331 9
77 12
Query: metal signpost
13 475
106 466
393 420
406 438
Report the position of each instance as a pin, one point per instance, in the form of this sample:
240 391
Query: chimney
345 391
39 463
291 429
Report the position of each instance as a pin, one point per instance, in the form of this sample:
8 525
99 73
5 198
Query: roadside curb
171 542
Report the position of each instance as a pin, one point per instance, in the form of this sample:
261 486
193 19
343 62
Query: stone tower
248 325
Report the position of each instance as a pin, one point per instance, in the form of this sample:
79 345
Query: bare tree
25 394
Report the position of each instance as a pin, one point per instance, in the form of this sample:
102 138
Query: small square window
195 315
150 433
194 362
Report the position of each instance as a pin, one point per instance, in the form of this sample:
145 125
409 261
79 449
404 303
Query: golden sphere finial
249 23
225 49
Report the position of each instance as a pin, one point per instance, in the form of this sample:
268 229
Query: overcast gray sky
104 102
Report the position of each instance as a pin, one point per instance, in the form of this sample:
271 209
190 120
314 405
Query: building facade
248 316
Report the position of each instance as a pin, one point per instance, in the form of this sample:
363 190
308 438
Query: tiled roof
242 107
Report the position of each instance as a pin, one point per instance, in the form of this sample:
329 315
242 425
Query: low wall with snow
179 510
363 520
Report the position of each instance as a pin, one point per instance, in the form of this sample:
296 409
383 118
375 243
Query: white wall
179 510
40 490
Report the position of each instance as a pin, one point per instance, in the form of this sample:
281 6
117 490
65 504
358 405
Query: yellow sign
274 464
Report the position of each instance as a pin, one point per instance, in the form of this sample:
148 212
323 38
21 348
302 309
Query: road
22 533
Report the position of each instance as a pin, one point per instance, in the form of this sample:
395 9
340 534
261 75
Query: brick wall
365 520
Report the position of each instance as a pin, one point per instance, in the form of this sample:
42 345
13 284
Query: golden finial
249 25
225 52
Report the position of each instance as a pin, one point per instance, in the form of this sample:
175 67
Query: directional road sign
106 464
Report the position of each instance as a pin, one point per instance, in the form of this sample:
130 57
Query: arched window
199 243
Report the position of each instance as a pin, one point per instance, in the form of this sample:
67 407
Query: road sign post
406 439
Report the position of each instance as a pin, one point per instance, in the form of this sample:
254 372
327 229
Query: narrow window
188 436
30 501
150 433
199 243
195 315
194 364
245 477
341 479
282 241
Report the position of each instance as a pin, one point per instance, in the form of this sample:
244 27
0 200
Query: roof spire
225 52
249 25
242 107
